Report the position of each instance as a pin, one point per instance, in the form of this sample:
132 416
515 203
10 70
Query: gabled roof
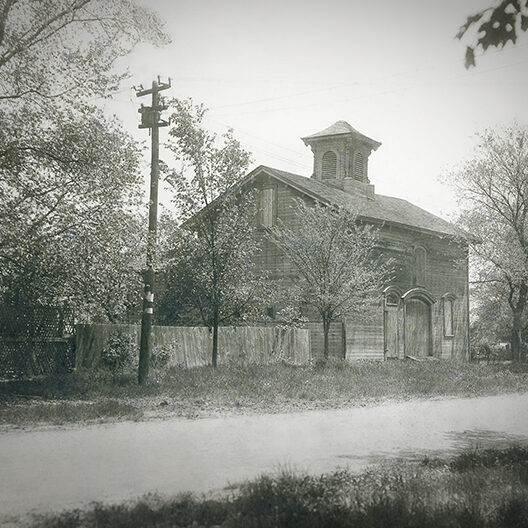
340 128
380 208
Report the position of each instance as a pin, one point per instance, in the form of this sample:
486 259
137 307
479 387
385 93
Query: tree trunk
518 309
215 338
516 339
326 328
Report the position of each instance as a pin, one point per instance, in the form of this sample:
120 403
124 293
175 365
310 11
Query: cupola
341 156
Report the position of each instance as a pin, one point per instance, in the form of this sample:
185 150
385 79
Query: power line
277 156
279 97
386 92
355 83
245 132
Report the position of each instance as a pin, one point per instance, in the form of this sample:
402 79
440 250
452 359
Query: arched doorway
417 329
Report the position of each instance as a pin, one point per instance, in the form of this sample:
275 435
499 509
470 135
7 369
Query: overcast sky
278 70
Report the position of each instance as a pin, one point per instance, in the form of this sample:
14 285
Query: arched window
392 299
329 166
420 264
449 304
392 295
359 165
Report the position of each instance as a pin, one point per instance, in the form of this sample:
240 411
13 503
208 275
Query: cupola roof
340 128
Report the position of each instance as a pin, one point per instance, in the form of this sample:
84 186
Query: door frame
391 301
426 297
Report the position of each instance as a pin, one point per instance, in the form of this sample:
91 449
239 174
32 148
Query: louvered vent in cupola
359 165
329 165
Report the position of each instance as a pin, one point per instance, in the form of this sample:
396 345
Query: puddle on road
484 439
456 442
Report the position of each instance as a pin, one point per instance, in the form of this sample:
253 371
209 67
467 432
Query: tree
66 49
212 259
338 270
70 177
493 190
492 317
68 192
495 26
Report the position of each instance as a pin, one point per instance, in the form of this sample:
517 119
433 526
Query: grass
204 391
63 412
482 489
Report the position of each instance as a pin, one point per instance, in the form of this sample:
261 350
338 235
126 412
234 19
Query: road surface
63 468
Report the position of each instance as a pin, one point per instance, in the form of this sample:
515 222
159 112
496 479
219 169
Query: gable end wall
445 272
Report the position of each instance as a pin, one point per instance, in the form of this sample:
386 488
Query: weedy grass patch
63 412
250 388
490 491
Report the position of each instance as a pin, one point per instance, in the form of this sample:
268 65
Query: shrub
120 354
480 489
160 356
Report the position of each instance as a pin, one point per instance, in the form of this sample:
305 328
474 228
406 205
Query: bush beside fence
188 347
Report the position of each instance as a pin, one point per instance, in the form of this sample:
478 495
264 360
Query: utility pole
150 118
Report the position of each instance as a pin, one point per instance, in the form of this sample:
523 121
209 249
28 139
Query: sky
278 70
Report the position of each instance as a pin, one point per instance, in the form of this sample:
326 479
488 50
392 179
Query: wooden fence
192 346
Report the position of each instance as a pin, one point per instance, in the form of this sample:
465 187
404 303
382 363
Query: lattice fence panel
36 321
34 358
35 340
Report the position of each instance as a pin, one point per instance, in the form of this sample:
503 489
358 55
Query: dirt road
64 468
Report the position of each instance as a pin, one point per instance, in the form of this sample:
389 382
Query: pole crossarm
151 115
160 86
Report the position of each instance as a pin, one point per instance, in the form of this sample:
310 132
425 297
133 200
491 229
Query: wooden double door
416 336
417 328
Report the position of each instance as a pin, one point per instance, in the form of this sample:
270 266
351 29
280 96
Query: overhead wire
356 83
385 92
280 157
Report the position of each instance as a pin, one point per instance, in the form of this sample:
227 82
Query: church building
425 310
